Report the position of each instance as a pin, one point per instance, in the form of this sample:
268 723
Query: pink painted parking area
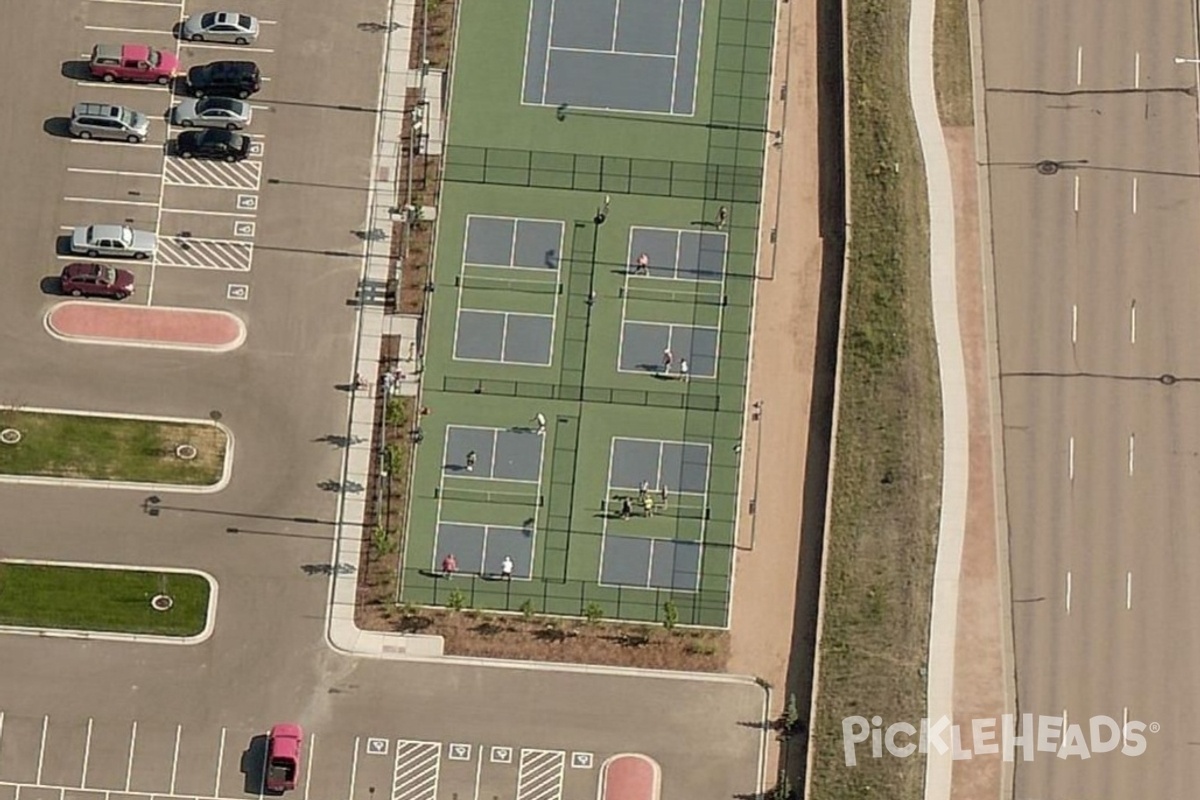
144 326
630 776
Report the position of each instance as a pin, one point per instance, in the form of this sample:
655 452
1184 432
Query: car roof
96 109
104 230
221 102
216 133
82 268
231 66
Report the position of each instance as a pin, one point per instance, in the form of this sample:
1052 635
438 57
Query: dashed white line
175 757
129 764
1131 454
1135 188
87 754
1128 590
1125 722
1068 592
1079 66
1076 194
42 748
1071 458
1065 724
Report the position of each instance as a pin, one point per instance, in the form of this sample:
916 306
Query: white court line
87 754
1135 187
312 743
110 202
610 52
546 60
42 748
122 173
1068 593
175 757
616 21
147 31
240 214
1071 459
354 766
1079 66
129 764
220 761
1128 590
675 55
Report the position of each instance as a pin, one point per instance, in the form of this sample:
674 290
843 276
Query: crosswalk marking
540 775
415 776
195 253
203 173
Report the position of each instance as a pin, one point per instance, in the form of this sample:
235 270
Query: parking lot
44 758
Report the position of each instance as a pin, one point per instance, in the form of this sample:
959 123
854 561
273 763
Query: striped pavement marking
540 775
195 253
204 173
415 776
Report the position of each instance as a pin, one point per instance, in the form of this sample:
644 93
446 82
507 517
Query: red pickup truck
283 756
139 63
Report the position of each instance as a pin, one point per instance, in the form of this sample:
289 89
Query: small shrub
670 615
701 647
527 610
594 613
383 541
456 600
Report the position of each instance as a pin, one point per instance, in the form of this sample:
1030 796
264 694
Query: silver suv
102 121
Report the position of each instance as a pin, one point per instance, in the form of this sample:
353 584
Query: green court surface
537 309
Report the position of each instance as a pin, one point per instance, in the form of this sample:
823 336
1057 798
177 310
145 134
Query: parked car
213 143
104 121
283 756
225 79
139 63
229 27
212 112
113 241
96 280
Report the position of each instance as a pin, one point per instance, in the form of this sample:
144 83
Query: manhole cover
1047 167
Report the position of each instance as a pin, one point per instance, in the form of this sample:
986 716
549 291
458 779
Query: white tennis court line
678 41
591 51
549 47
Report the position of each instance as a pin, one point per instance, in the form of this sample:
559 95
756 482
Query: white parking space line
1068 592
139 3
175 757
1079 66
123 174
243 175
1133 322
1128 590
142 145
194 253
241 48
220 762
1071 459
1076 194
240 214
312 746
1135 184
87 754
416 769
42 749
1131 454
129 764
146 31
145 203
1074 323
540 775
114 85
1137 70
354 766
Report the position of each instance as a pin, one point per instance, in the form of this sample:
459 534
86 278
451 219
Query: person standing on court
683 369
506 568
643 490
662 496
668 357
449 565
642 265
540 421
648 506
626 508
472 457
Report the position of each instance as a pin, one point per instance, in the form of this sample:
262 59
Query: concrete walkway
943 621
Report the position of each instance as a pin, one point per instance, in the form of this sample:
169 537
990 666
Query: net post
437 492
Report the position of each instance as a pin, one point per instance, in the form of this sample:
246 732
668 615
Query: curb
37 480
210 614
48 324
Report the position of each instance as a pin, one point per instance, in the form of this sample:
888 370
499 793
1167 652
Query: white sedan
229 27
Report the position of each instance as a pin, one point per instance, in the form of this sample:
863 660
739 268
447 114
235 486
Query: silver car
229 27
212 112
112 241
103 121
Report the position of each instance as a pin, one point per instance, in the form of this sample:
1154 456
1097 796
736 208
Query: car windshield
155 58
244 22
108 275
127 235
208 19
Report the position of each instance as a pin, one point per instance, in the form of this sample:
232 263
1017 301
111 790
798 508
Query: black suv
225 79
213 143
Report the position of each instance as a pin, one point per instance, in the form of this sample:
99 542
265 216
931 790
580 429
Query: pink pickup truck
139 63
283 757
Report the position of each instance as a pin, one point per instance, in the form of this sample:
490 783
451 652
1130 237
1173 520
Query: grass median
82 447
78 598
886 486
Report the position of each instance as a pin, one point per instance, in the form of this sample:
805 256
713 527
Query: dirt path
768 588
978 678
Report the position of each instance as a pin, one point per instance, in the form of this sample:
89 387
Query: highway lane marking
1128 595
1135 184
73 199
1068 591
175 757
87 754
1079 66
129 764
1133 322
121 173
1131 454
1137 76
312 745
1071 469
42 747
1074 323
220 761
1076 194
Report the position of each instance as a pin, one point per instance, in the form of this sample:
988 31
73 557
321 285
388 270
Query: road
174 721
1096 294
